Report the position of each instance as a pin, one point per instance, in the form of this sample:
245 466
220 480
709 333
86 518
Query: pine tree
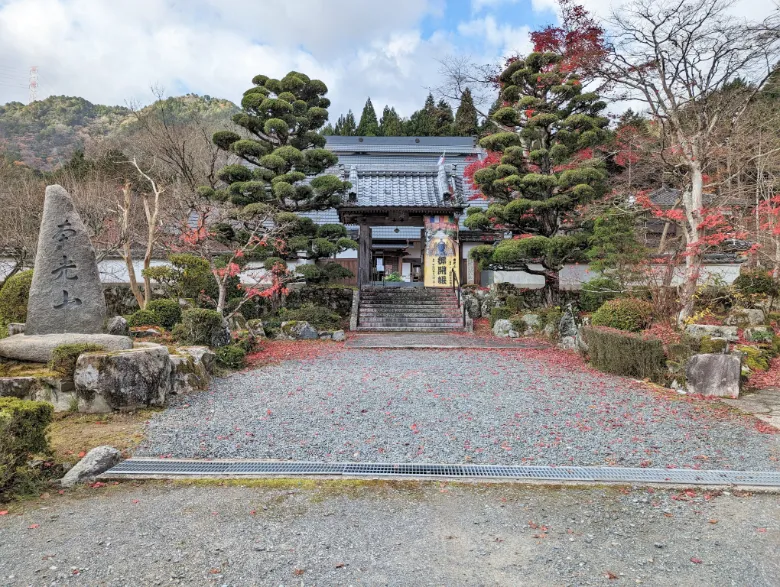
544 168
338 129
423 122
349 128
368 126
444 119
328 130
466 123
390 125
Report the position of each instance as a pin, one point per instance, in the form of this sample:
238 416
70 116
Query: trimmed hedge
231 356
168 312
623 353
318 316
64 357
629 314
202 327
143 318
14 297
502 313
23 426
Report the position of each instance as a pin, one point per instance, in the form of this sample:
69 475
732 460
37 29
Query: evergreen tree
444 119
390 125
349 128
368 126
338 129
282 118
328 130
466 123
545 170
423 123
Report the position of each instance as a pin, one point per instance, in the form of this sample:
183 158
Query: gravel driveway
536 407
392 534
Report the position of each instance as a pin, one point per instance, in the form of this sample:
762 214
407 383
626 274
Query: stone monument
66 302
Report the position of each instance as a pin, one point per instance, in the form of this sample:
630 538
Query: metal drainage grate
173 468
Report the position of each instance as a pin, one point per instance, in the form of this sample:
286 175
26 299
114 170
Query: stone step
409 329
410 323
424 303
410 309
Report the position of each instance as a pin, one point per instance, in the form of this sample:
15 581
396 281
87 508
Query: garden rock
699 331
325 334
568 324
38 348
298 330
146 332
531 322
187 374
201 354
118 326
221 336
338 336
758 334
473 305
255 328
237 322
123 380
745 317
503 328
16 328
66 294
99 460
713 375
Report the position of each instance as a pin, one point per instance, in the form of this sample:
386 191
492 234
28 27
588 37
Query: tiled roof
437 145
665 196
400 186
389 232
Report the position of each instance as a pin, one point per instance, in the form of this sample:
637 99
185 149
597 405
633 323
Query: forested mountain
45 134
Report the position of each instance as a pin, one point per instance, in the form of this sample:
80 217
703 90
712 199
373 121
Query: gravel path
391 534
540 407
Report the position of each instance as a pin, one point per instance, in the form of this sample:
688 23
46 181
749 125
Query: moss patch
71 434
18 369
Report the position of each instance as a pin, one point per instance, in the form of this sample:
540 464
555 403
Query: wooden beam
364 255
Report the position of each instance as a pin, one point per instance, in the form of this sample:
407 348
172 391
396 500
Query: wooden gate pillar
364 255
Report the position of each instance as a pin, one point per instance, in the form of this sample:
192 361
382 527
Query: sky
114 51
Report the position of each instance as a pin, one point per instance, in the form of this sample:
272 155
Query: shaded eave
393 215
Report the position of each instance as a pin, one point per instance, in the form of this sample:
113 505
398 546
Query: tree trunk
692 202
221 299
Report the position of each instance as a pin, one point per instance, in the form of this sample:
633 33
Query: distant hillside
45 134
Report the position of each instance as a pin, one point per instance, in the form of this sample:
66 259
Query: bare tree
680 57
21 199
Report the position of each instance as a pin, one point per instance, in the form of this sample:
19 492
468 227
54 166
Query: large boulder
124 380
118 326
568 324
713 375
745 317
255 328
699 331
298 330
201 354
38 348
99 460
187 373
503 328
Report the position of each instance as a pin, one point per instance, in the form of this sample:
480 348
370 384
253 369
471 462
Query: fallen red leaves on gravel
276 351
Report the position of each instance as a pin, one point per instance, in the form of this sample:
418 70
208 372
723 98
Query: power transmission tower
33 84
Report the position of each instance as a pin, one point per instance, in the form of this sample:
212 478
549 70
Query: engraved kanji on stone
62 271
67 301
64 232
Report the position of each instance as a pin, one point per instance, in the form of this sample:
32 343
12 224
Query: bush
64 357
231 356
624 314
317 316
22 434
514 302
598 291
14 297
168 312
502 313
708 345
623 353
754 358
143 318
756 282
202 327
549 316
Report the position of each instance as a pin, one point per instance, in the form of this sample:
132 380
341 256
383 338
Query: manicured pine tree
543 169
368 125
466 122
390 124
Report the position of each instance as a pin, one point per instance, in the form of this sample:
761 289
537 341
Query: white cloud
478 6
507 39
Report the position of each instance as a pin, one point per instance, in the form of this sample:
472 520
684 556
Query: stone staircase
409 309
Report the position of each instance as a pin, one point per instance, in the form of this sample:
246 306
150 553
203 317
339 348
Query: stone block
99 460
16 328
713 375
38 348
118 326
531 322
201 354
298 330
503 328
699 331
124 380
60 393
187 374
338 336
255 328
745 317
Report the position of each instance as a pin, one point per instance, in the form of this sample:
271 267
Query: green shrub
774 346
22 434
709 345
754 358
597 291
318 316
623 353
202 327
514 302
549 316
231 356
14 297
518 324
64 357
143 318
502 313
756 282
168 312
624 314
